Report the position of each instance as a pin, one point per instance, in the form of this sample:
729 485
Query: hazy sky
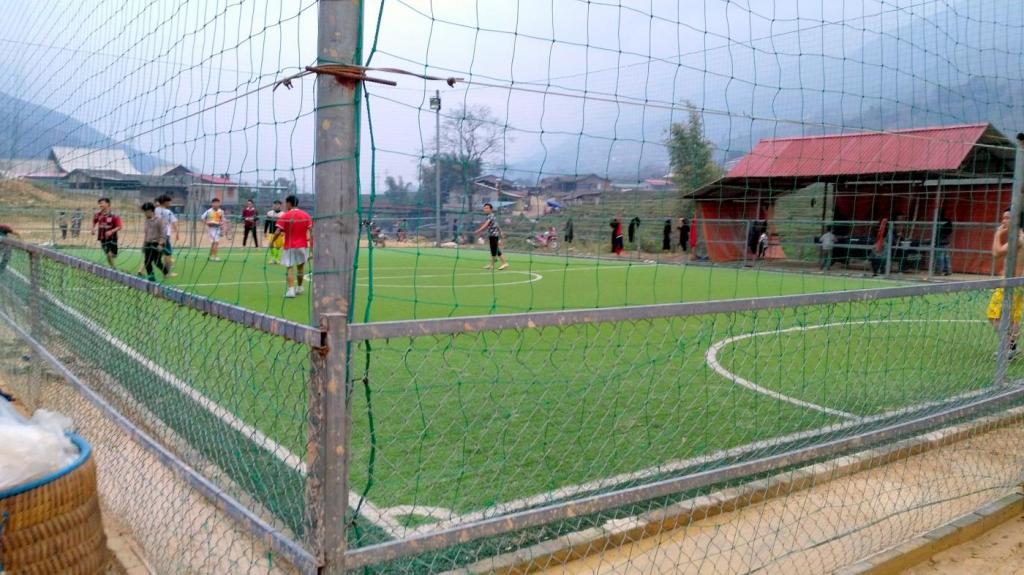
186 79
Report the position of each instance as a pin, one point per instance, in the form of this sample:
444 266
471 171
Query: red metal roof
915 150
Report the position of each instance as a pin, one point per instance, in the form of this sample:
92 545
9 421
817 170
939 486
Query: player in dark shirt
249 222
493 237
106 225
5 250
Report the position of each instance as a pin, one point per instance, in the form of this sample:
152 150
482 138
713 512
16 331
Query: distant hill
958 65
29 131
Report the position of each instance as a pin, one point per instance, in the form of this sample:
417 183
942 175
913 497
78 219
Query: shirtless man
1000 247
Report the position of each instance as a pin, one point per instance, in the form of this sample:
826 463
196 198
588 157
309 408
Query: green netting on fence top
525 156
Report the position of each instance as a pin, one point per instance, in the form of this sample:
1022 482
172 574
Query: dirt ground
841 521
998 552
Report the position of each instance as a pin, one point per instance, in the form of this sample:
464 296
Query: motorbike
548 239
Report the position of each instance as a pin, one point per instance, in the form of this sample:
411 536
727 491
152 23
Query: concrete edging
619 532
961 530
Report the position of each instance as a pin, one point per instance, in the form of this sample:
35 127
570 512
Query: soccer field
448 426
427 283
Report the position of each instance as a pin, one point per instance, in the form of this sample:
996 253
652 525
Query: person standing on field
1001 247
154 231
269 227
942 253
76 223
270 220
294 225
493 237
106 225
617 243
249 222
5 250
827 241
684 234
166 215
666 236
214 220
62 222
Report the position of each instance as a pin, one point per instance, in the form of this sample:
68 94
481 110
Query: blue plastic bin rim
84 450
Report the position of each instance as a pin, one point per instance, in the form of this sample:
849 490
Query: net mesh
674 162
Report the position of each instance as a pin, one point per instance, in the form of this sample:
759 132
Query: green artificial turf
473 420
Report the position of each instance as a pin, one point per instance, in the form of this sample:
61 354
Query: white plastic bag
32 449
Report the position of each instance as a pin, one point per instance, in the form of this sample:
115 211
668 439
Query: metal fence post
746 243
889 248
336 173
935 231
1006 327
35 328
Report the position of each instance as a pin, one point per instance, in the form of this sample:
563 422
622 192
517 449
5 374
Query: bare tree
472 133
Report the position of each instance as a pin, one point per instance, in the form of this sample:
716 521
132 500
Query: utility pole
1010 264
435 105
336 174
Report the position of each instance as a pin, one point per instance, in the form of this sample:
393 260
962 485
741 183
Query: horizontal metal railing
562 318
290 330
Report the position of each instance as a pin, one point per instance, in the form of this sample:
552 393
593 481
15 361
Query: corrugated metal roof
219 180
25 168
107 175
917 150
71 159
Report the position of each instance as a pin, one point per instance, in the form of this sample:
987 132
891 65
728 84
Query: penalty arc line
711 357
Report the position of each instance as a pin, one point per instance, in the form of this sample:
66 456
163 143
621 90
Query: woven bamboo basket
52 525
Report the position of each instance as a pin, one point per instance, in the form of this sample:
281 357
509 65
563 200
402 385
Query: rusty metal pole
34 391
335 234
1006 327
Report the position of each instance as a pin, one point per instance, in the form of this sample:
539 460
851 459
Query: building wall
974 211
724 228
975 215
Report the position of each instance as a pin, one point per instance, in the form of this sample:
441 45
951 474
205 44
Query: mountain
960 63
29 131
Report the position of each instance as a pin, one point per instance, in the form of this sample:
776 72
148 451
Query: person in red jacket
295 225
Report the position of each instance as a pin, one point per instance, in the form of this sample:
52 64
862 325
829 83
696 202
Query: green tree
690 153
470 136
457 175
398 192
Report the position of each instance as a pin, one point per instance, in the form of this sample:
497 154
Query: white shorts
214 233
294 256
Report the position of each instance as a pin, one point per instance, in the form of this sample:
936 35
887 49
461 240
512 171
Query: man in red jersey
106 225
295 225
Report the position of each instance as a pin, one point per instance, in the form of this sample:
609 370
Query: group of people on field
76 223
287 229
682 227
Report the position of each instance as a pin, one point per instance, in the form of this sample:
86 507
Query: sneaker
503 267
300 289
290 292
172 275
215 259
489 267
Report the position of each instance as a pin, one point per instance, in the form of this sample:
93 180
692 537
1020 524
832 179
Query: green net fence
608 270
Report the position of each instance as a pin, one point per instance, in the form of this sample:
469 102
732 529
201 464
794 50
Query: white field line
533 277
680 464
283 454
712 360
